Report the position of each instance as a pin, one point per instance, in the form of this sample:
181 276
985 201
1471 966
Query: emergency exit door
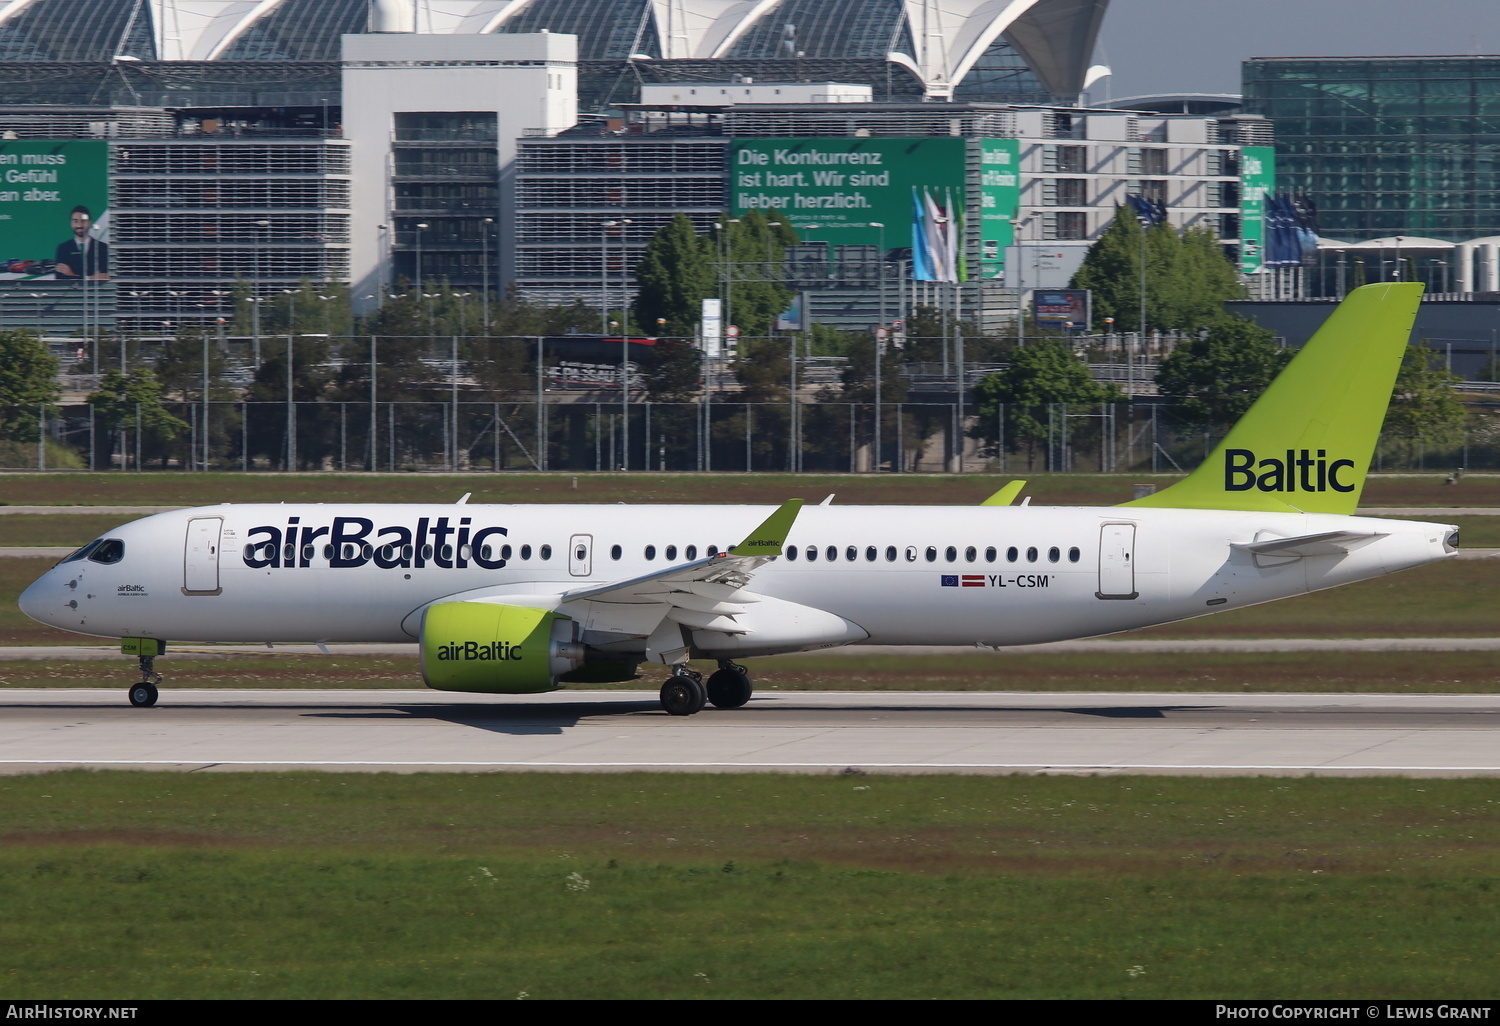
1116 562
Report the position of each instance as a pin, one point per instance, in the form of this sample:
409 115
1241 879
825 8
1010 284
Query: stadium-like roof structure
941 43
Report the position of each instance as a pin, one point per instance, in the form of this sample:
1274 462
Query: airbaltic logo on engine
1300 471
494 651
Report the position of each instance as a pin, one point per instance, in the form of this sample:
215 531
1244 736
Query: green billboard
54 206
999 196
1257 181
845 186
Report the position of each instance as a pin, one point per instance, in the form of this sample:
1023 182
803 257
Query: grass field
162 488
149 885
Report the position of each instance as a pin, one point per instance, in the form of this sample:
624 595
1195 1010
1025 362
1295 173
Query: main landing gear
685 692
144 694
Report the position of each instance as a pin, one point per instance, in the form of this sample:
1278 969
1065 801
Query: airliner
518 599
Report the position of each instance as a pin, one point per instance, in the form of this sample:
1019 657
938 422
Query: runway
810 732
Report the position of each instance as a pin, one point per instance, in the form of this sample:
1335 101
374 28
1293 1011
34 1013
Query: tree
1039 375
28 381
674 277
756 272
1216 378
1188 276
179 371
1424 411
128 402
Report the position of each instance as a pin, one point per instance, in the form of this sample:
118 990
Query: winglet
1006 495
767 539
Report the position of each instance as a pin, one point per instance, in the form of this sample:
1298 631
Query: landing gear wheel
729 687
143 695
682 695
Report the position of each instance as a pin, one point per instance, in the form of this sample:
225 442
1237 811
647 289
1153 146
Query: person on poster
82 256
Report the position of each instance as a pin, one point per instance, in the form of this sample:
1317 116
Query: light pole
604 276
624 351
420 229
485 227
879 340
291 405
382 245
255 290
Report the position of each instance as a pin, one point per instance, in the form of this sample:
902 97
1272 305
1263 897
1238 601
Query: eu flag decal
950 580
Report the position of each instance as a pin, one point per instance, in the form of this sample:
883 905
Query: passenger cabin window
812 553
525 551
832 552
671 552
546 551
1011 554
851 554
1054 554
932 553
870 554
1073 554
970 554
691 552
950 553
911 553
1031 554
890 553
791 553
650 552
989 554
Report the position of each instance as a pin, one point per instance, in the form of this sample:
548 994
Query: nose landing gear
143 695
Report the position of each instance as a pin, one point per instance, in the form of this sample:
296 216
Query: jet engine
497 649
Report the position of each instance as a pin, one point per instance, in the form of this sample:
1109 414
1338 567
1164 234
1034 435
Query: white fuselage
970 575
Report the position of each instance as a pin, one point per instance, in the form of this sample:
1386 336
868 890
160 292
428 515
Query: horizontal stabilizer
1328 543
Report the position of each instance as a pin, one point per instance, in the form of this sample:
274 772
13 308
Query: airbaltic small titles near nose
514 599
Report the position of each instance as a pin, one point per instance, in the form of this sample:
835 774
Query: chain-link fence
580 435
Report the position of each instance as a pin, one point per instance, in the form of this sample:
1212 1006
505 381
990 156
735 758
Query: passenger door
200 557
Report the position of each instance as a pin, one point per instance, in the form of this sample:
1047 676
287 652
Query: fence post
41 437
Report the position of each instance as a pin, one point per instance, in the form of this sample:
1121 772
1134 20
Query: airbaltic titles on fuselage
356 541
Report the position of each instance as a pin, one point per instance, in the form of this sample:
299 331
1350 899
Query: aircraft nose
40 599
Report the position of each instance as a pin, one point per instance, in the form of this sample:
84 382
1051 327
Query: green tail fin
1306 443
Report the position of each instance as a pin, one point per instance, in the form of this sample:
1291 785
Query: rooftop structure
1014 50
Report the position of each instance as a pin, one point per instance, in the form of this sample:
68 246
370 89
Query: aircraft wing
706 594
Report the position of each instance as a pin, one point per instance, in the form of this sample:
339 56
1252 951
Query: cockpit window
83 552
110 550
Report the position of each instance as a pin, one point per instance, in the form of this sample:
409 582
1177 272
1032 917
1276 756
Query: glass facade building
1386 145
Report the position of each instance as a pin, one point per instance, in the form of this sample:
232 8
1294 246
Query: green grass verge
304 885
170 488
1275 672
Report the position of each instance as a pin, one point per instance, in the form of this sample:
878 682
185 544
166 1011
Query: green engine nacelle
485 647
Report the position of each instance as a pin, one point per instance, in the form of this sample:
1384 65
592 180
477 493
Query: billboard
1061 309
54 209
999 197
1257 182
903 192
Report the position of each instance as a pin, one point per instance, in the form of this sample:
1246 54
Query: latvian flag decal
964 581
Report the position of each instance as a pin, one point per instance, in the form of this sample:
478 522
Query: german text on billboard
54 209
